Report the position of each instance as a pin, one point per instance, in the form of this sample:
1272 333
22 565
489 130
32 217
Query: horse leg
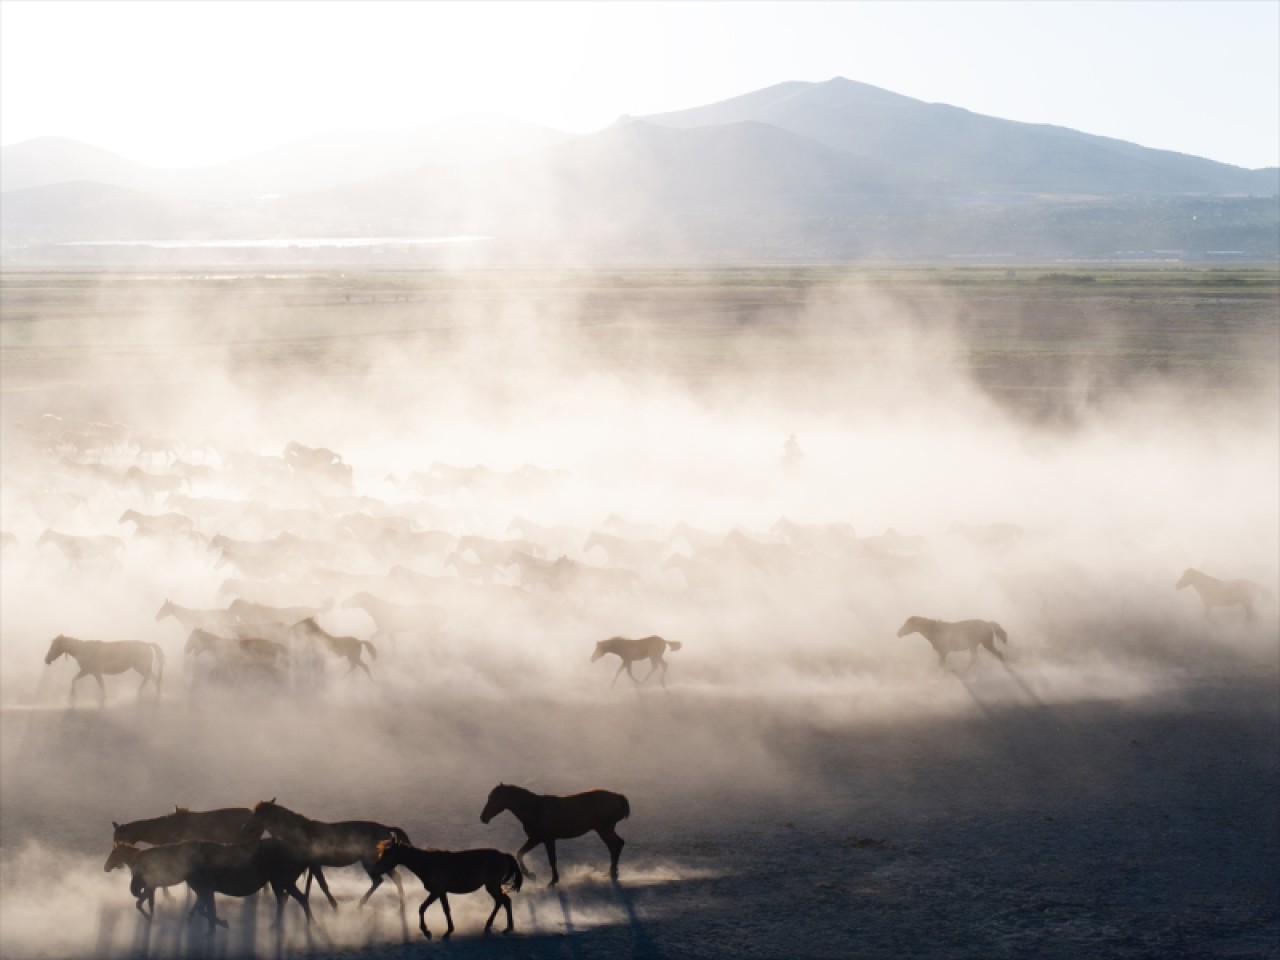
377 882
627 664
551 855
102 691
528 845
74 680
991 648
448 915
653 665
422 915
622 666
143 685
615 844
324 886
365 667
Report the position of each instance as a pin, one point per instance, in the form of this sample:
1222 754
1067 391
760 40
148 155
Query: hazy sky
179 84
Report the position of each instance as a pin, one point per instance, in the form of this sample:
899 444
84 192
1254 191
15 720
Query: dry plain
808 783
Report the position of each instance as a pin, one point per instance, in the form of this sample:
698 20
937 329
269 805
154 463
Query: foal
443 872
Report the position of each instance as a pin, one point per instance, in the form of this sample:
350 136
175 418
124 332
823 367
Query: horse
350 648
96 657
1222 593
241 870
241 651
319 844
234 869
953 637
191 619
225 825
547 818
391 618
622 550
443 872
629 650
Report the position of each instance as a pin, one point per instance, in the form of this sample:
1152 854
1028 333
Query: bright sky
186 83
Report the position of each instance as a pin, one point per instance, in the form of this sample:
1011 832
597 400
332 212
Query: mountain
800 170
937 145
315 163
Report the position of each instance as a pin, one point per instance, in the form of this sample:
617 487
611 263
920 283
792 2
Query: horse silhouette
443 872
629 650
319 844
1222 593
348 648
98 657
948 638
225 825
548 818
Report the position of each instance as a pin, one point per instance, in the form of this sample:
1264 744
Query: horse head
165 610
911 626
600 650
1188 577
496 803
256 821
57 648
121 855
389 855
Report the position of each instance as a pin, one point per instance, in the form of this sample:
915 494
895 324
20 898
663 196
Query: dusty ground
810 784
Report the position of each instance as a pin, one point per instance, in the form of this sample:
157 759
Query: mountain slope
937 144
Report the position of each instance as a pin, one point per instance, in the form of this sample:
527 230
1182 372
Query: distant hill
933 144
315 163
799 170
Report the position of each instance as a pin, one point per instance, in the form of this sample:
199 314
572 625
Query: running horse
348 648
948 638
629 651
547 818
98 657
225 825
1222 593
319 844
443 872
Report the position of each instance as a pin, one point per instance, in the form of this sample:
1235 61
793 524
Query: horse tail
673 644
999 630
513 873
373 651
399 834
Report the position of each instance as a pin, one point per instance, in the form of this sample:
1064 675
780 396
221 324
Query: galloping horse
629 650
547 819
953 637
319 844
1222 593
96 657
349 648
80 550
443 872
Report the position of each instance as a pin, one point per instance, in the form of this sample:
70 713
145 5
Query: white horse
1222 593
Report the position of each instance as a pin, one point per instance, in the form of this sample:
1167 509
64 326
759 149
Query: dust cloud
510 413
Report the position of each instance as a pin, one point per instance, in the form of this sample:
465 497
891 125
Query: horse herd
239 851
246 649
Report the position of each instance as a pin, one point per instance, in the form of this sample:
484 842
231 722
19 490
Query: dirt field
809 783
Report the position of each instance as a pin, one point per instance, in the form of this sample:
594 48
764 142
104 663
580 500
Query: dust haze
510 411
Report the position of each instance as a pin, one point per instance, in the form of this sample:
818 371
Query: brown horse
948 638
98 657
629 651
443 872
547 819
226 825
348 648
236 652
1222 593
319 844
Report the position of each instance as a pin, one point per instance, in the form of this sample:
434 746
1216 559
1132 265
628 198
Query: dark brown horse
319 844
226 825
443 872
234 869
98 657
547 819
